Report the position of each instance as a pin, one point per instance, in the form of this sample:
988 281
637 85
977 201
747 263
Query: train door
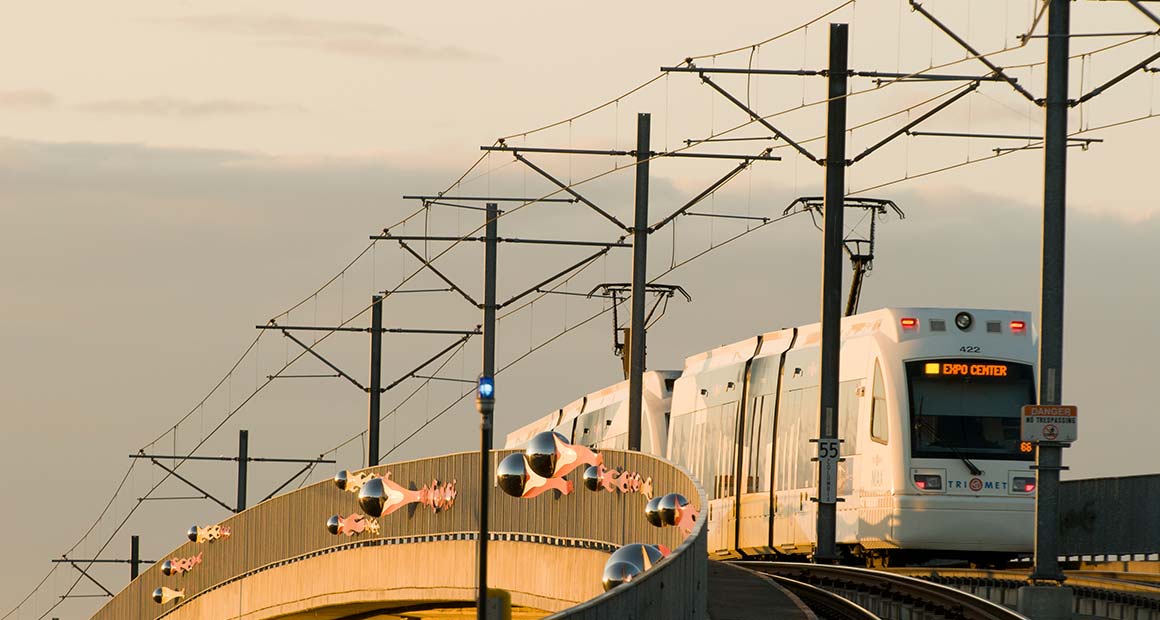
721 443
756 505
731 452
805 521
848 508
875 523
786 496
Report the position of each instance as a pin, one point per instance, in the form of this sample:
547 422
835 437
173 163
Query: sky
174 173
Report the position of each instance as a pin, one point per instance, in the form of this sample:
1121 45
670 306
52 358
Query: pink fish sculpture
537 484
570 456
686 518
439 496
607 478
181 566
398 495
356 523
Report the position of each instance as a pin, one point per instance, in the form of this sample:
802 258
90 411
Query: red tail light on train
928 482
1024 484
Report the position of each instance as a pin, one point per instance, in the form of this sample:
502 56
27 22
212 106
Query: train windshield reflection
964 415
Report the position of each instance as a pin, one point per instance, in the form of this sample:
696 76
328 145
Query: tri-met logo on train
977 484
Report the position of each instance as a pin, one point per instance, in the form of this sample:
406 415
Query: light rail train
929 406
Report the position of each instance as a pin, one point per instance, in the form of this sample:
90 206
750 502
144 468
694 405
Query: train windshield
968 408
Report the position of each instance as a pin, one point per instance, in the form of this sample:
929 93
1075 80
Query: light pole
485 398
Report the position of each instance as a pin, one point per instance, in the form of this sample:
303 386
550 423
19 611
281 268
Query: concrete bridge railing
549 551
675 588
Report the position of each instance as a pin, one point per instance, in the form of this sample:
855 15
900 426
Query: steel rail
890 591
1119 599
1075 579
826 605
1147 578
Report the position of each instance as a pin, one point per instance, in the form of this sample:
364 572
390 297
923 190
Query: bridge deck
739 594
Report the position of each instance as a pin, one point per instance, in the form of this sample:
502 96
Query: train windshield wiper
974 469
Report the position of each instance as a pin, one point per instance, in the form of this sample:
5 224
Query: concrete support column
1045 602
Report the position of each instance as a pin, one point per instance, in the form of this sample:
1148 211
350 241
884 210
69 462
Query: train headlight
964 320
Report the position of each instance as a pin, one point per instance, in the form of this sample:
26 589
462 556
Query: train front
968 486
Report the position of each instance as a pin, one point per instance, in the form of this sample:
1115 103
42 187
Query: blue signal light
486 387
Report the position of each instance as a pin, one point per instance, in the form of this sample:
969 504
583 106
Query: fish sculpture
163 595
686 518
397 495
570 456
439 496
355 480
538 484
357 524
382 496
208 533
179 566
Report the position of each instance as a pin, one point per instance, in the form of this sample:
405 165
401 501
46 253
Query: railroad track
886 595
825 605
1144 578
1119 596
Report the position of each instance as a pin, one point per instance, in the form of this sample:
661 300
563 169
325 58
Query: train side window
753 447
879 426
726 450
807 471
848 416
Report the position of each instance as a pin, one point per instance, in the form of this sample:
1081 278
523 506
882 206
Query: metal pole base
499 604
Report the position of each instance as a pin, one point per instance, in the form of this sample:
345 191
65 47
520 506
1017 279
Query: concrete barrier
1110 517
676 588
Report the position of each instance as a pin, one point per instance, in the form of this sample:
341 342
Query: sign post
829 455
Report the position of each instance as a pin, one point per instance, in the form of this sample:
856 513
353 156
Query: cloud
365 39
171 106
26 99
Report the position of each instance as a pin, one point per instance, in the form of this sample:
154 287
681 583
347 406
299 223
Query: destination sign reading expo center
1054 423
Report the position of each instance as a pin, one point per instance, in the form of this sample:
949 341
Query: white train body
600 419
914 398
917 395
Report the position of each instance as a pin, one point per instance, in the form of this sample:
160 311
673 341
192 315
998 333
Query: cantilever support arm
287 483
427 363
89 577
199 489
911 125
757 117
558 183
709 190
983 59
428 265
582 263
1112 82
323 360
1149 14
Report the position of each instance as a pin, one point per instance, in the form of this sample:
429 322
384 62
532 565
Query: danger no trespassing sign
1055 423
